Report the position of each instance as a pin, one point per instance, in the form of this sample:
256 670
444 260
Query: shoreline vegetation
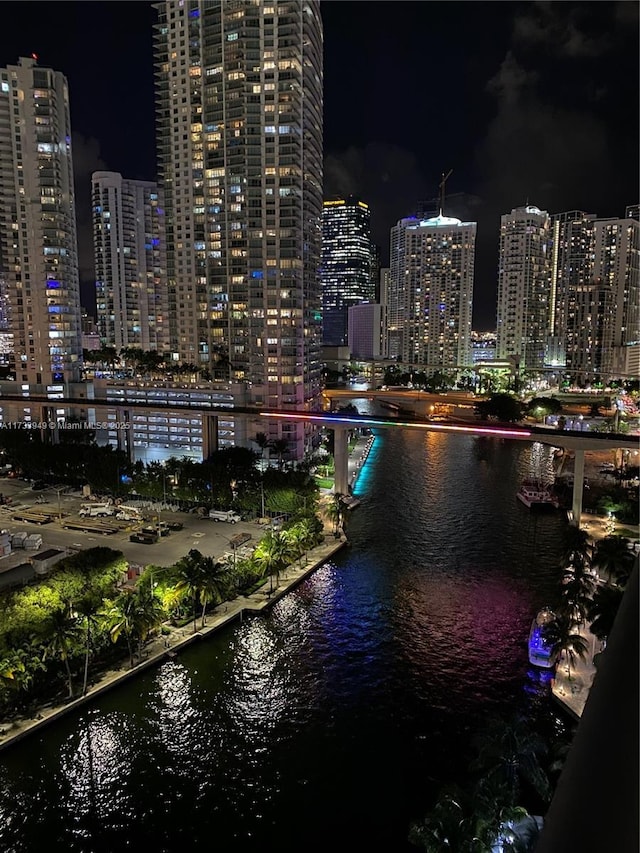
166 640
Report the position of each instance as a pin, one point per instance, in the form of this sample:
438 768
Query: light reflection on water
338 714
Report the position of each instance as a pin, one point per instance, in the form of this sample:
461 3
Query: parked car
143 538
39 485
175 525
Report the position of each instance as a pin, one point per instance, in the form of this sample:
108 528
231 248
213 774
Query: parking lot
209 537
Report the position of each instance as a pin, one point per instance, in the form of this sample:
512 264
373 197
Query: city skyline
523 118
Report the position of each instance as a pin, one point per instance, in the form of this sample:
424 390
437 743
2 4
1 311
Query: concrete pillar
209 435
341 460
125 435
578 485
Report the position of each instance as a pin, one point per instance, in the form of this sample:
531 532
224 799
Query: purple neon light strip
367 421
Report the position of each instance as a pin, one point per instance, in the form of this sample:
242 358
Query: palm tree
190 571
280 446
63 628
577 546
577 589
445 827
87 610
214 584
563 639
602 610
272 555
509 754
298 536
134 614
262 440
613 556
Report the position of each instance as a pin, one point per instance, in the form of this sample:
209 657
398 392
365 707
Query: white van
224 515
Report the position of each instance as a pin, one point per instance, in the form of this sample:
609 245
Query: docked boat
534 493
540 651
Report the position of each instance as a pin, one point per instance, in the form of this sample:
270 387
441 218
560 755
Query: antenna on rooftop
442 183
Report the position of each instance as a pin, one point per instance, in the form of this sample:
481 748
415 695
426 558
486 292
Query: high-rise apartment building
38 250
616 273
431 290
346 270
595 293
524 284
239 122
571 273
130 262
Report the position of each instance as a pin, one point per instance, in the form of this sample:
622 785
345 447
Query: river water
332 721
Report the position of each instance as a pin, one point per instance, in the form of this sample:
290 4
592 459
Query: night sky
524 101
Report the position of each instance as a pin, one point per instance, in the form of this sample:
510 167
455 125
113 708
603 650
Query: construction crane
442 183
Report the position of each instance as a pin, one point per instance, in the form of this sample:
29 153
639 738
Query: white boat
540 651
534 493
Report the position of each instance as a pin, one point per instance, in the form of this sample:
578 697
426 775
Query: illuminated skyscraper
347 265
38 252
524 284
239 121
430 296
595 294
130 259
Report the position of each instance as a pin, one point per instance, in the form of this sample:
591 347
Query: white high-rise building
239 121
38 250
431 290
524 284
130 263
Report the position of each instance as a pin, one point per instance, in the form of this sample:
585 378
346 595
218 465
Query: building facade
130 263
524 283
571 273
239 123
430 298
38 248
365 330
595 294
347 265
616 273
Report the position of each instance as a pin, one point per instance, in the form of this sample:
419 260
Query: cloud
388 178
558 29
549 139
85 151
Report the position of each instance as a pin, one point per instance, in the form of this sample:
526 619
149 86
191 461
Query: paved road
209 537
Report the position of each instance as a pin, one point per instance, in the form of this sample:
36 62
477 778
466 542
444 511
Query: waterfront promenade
166 646
571 686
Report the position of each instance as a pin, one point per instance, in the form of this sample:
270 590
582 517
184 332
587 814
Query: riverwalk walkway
167 646
571 685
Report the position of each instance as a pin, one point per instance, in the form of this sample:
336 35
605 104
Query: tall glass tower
38 250
239 122
347 263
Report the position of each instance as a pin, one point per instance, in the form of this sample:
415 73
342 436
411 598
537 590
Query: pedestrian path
572 684
162 647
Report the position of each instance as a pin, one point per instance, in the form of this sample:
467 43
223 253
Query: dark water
332 721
